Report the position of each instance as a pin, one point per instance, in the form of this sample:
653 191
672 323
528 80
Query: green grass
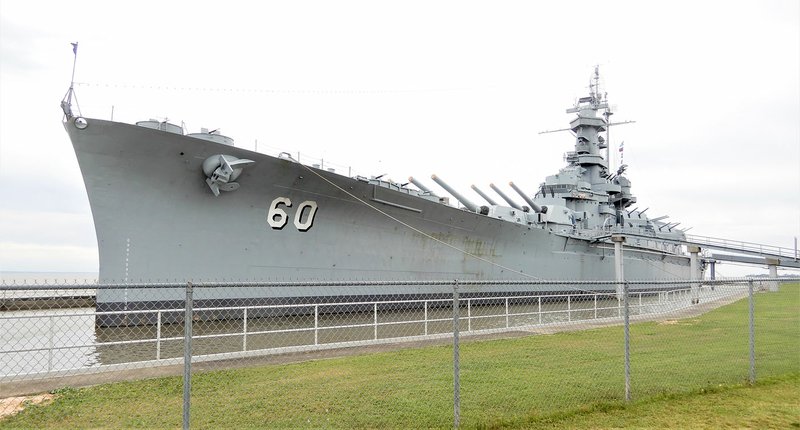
771 403
689 373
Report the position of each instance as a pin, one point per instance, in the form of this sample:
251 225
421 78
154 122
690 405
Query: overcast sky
456 88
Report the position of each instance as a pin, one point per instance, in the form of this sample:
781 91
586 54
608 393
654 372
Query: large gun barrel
669 226
485 197
421 186
508 200
469 205
534 206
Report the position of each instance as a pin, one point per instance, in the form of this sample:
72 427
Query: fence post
456 371
187 355
627 342
752 334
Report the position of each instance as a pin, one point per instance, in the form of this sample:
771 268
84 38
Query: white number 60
277 217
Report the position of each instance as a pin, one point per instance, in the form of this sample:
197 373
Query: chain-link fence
544 346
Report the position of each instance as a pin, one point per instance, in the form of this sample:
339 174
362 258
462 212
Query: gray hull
157 220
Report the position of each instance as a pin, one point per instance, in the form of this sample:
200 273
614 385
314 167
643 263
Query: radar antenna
594 87
596 101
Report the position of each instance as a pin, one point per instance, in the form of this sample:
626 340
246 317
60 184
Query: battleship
170 205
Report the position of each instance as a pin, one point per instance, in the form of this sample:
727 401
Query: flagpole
74 62
66 103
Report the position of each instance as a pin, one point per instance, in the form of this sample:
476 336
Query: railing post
244 331
187 355
507 324
456 371
569 308
316 324
426 317
627 343
158 336
375 320
469 315
540 310
595 306
752 333
50 344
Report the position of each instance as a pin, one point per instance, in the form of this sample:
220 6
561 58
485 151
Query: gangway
748 252
743 247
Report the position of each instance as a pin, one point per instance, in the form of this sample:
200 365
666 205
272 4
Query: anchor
222 171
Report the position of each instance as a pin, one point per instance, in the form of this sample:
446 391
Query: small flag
74 48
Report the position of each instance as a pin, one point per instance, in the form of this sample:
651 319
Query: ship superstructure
587 194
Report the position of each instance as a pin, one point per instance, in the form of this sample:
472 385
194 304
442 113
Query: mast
607 114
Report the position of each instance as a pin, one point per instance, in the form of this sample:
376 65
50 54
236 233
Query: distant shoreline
39 277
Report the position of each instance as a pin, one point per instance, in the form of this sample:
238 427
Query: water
48 340
61 340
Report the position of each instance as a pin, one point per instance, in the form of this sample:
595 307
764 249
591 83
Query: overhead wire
162 87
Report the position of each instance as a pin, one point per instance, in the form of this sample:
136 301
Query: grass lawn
686 373
773 403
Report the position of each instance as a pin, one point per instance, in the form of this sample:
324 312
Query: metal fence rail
489 313
185 323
